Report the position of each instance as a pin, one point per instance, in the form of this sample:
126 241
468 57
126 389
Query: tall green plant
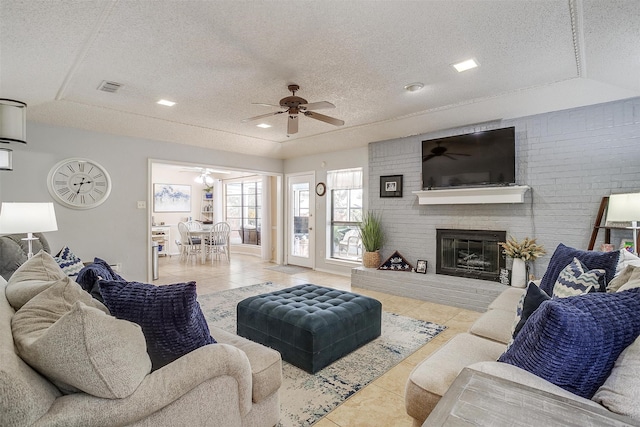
371 231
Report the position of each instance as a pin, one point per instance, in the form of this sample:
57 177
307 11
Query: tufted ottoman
311 326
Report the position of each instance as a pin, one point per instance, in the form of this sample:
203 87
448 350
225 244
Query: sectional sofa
558 338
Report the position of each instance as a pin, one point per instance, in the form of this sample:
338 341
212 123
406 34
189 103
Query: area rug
305 398
289 269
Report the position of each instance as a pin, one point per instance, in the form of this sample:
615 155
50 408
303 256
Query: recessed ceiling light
465 65
166 103
263 125
414 87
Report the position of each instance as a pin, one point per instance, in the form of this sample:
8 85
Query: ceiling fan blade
262 116
450 157
428 157
459 154
264 104
292 125
323 118
317 105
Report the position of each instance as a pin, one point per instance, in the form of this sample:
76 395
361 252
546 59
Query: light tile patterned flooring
381 403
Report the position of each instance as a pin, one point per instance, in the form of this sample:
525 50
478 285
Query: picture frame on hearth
391 186
421 266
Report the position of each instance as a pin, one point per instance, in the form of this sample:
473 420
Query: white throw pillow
64 334
626 258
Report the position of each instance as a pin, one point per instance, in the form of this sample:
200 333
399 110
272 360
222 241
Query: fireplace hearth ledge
470 196
471 294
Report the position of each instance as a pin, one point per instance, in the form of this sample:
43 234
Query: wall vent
111 87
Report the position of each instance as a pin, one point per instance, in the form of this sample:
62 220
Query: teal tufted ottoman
311 326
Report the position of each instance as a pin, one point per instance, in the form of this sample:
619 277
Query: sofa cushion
31 278
69 262
494 325
508 299
170 316
575 280
620 393
563 255
64 334
574 342
89 276
529 303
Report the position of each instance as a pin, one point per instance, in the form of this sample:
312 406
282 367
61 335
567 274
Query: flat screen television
486 158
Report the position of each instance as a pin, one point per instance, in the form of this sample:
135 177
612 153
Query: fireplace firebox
470 253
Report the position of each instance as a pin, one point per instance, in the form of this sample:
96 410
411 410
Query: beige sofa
478 349
233 383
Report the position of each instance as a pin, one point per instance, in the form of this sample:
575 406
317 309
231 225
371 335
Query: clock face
79 183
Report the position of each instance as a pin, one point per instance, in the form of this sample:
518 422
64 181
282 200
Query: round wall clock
321 188
79 183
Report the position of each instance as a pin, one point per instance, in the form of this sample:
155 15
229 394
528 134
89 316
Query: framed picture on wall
171 198
391 186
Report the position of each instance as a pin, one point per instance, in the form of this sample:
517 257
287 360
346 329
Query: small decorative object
421 266
79 183
321 189
208 192
627 245
607 247
521 252
372 239
391 186
396 262
505 278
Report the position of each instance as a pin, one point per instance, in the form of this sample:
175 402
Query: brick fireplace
470 253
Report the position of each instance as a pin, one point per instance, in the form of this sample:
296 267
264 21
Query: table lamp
27 218
625 208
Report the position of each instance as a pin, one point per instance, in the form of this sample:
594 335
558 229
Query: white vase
518 273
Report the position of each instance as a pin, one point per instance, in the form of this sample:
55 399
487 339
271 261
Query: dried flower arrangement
527 250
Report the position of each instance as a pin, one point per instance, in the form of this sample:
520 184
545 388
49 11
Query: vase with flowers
521 252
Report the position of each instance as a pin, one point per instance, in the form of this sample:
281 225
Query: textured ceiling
216 58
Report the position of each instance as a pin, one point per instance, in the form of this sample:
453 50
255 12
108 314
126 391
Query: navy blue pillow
563 256
574 342
533 297
88 277
170 317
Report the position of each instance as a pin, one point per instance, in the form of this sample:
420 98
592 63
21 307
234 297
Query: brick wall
570 159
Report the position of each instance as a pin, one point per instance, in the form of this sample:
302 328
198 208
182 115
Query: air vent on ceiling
111 87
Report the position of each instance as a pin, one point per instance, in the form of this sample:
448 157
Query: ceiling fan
294 105
438 151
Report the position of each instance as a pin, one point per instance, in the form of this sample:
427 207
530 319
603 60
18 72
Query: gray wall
570 159
116 230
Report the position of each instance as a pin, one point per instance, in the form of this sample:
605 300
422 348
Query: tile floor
381 403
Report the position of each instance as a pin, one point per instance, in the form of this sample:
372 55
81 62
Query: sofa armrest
158 389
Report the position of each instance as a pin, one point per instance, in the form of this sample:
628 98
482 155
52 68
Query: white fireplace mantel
471 196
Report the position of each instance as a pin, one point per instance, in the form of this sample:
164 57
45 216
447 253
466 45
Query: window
345 187
243 209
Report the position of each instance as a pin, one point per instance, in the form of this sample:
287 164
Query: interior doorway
209 189
300 220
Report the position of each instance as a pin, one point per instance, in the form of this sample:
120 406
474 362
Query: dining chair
190 245
218 241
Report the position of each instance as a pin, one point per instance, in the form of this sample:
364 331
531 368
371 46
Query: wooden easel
598 225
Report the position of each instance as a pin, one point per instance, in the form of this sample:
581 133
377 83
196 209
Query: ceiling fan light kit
294 105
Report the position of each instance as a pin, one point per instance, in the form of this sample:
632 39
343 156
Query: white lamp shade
13 121
623 207
27 218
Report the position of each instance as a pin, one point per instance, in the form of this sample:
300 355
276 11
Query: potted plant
521 252
208 192
372 239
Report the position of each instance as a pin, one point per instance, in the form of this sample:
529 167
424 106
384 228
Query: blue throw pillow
575 280
88 277
574 342
563 255
529 303
68 262
171 319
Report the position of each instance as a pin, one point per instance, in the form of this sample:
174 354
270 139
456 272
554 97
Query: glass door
300 220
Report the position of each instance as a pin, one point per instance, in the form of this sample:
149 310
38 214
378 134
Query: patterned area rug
289 269
305 398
